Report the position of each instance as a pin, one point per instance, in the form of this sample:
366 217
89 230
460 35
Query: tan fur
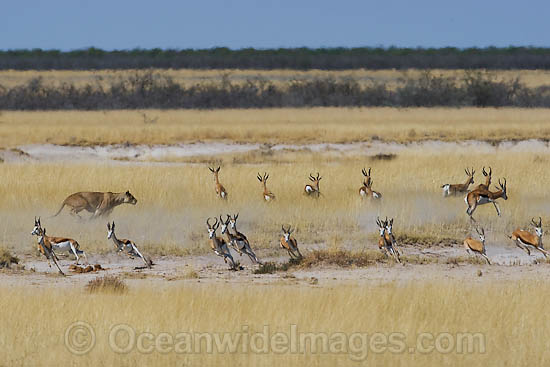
291 246
523 239
98 203
488 176
220 190
455 189
474 197
313 189
267 195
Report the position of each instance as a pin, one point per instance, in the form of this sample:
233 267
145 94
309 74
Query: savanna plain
343 303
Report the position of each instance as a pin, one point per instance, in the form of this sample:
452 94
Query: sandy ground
122 154
508 263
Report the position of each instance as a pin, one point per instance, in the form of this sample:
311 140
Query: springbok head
471 175
538 226
366 173
37 227
381 226
287 232
502 186
110 230
212 228
481 235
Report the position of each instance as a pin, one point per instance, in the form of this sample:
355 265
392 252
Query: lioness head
129 198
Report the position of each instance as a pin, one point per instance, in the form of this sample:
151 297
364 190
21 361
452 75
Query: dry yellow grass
175 200
506 323
337 125
188 77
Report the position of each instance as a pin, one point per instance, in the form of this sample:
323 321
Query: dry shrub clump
7 259
107 284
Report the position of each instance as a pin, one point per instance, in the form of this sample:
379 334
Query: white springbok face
389 227
37 227
110 230
224 226
382 229
233 221
286 236
538 231
482 237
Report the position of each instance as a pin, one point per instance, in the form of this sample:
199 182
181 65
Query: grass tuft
107 284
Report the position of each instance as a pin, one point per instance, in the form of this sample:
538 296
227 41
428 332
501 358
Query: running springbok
366 190
238 242
313 190
525 239
268 195
218 244
59 243
482 196
488 176
475 246
220 190
124 245
289 243
456 189
385 243
45 247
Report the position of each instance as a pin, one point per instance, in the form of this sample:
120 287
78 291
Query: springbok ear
108 226
128 192
38 220
113 226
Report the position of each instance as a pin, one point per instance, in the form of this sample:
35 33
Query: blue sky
75 24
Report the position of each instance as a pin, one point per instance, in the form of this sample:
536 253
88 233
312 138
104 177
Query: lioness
99 203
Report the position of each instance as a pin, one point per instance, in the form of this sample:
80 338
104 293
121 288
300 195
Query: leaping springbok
385 243
238 242
268 195
482 196
124 245
366 190
456 189
59 243
313 189
220 190
218 244
289 243
524 239
475 246
45 247
488 176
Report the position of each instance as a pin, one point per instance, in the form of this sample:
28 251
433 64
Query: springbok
239 243
59 243
488 176
218 245
45 247
366 190
313 190
475 246
289 243
525 239
268 195
455 189
220 190
385 241
482 196
124 245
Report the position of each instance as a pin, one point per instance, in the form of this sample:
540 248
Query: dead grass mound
107 284
7 259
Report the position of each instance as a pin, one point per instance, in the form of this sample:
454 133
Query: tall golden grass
507 319
286 125
175 200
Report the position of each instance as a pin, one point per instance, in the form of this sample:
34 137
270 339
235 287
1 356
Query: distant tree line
283 58
141 90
